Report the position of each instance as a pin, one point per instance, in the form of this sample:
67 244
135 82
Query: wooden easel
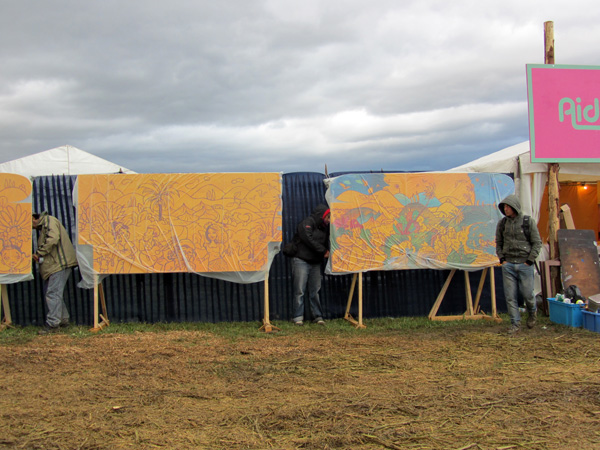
266 326
357 323
99 293
473 311
7 320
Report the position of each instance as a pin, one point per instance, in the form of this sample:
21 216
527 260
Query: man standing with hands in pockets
518 244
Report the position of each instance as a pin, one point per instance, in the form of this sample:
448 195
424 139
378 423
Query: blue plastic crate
591 321
565 313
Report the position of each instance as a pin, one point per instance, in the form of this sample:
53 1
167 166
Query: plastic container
591 321
565 313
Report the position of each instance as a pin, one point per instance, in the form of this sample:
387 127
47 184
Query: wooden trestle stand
357 323
473 311
99 293
5 321
266 326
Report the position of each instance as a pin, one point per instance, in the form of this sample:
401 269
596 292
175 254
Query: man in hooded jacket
518 244
56 257
312 242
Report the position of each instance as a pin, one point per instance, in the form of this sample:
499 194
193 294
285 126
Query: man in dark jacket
518 244
312 242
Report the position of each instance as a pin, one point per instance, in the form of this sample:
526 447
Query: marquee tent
530 178
65 160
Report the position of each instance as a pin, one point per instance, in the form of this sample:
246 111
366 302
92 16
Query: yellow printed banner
414 220
15 225
203 223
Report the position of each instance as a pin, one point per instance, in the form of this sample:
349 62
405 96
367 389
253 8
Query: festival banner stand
267 327
399 221
218 225
99 295
473 311
347 316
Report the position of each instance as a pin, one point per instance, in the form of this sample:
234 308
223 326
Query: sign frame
560 99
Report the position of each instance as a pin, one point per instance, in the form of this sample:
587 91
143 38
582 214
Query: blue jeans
518 279
57 309
306 275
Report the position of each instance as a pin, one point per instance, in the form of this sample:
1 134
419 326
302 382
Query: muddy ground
454 387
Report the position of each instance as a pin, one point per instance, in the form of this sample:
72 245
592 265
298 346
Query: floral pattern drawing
15 224
415 220
212 222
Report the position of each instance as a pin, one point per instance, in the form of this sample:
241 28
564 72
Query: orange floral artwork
201 223
15 224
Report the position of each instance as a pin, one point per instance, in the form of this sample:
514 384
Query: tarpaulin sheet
15 228
221 225
414 220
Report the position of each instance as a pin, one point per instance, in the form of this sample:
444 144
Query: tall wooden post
553 186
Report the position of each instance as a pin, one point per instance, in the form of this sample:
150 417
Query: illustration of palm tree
162 194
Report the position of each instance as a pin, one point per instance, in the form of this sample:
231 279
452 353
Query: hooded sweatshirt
512 244
312 236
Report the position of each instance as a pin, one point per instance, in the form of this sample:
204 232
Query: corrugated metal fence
186 297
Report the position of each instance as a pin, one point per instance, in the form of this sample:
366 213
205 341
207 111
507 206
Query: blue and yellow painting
415 220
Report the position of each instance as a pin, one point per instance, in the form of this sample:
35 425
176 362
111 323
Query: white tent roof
65 160
517 160
530 178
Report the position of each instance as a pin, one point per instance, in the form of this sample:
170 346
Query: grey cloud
259 85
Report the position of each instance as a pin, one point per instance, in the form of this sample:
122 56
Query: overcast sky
278 85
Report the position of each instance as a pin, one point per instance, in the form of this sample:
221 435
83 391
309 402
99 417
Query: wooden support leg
440 297
104 315
7 320
99 294
469 296
267 327
480 290
472 312
493 294
360 301
347 315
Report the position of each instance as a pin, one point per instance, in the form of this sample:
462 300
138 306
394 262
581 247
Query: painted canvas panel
211 222
15 225
564 113
414 220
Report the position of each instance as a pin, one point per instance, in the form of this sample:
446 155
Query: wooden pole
267 326
7 321
96 302
360 301
553 185
352 286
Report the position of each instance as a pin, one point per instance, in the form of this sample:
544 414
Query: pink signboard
564 113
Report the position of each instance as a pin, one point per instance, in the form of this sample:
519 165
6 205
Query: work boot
47 330
514 329
532 319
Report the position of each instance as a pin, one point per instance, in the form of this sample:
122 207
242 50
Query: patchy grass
404 383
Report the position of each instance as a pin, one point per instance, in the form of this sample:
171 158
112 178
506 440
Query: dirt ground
304 388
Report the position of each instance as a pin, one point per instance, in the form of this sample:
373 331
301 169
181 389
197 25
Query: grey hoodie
512 244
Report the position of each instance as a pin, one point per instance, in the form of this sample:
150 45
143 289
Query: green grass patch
241 330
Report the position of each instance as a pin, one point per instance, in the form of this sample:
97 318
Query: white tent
530 178
65 160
